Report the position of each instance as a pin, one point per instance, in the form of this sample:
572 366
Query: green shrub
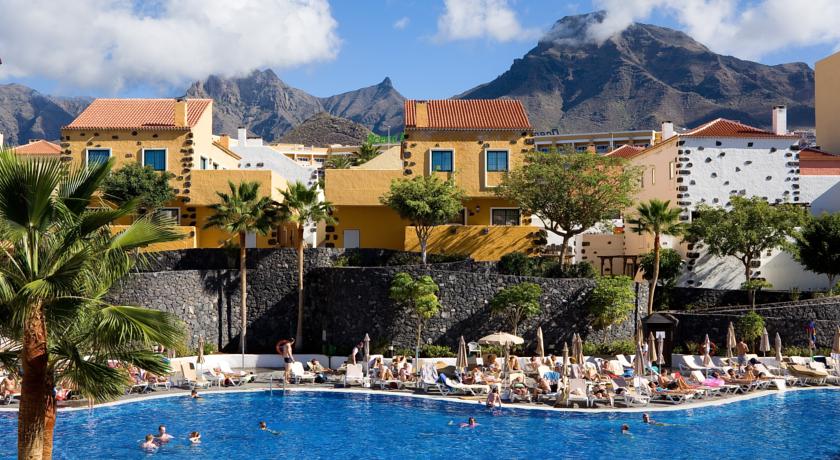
436 351
403 352
795 293
209 348
515 263
794 350
341 261
751 326
577 270
612 300
616 347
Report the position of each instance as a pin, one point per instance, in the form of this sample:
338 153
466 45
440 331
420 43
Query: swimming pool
802 424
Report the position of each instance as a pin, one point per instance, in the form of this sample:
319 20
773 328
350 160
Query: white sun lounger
628 395
299 375
191 378
354 374
453 386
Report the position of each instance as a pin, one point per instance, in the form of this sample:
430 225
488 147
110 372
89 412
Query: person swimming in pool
649 421
163 437
149 445
264 427
470 423
625 429
195 437
494 399
194 395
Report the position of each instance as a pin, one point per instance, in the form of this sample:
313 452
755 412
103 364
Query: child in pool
149 445
195 437
470 423
264 427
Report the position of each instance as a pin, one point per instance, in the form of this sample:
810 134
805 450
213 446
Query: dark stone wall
344 303
685 298
788 319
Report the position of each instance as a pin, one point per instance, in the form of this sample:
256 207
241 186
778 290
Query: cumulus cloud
748 30
401 23
109 44
491 19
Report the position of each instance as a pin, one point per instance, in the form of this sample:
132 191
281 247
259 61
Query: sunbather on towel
518 386
513 363
9 387
543 387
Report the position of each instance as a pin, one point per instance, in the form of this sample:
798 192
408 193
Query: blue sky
328 48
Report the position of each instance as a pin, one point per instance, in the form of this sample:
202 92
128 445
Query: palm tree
367 151
340 162
303 206
57 262
656 218
239 213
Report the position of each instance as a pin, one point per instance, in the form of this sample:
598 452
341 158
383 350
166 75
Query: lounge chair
820 367
723 389
354 374
429 380
624 362
191 378
217 377
578 392
808 375
299 375
240 376
139 383
512 396
690 364
629 396
453 386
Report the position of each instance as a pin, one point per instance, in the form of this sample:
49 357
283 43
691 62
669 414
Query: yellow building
474 141
173 135
827 101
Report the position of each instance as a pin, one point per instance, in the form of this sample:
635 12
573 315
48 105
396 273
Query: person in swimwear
284 349
625 429
194 395
149 445
470 423
195 437
494 399
163 437
649 421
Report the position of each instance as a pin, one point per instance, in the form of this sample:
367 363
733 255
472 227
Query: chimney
242 136
181 112
667 129
224 140
780 120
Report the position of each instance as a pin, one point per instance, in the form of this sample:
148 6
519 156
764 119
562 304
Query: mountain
261 102
324 129
27 114
268 107
376 107
641 76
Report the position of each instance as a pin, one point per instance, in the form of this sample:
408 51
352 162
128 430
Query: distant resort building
598 142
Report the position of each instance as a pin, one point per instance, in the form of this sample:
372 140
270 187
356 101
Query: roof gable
466 114
39 147
137 114
722 127
626 151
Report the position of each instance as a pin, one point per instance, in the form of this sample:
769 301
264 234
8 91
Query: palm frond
143 232
118 325
79 186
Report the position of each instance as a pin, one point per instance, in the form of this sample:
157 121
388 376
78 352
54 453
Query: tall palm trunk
655 278
243 288
299 328
36 395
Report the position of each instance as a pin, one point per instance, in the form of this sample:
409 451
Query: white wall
823 192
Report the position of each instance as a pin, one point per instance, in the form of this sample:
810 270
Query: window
97 156
580 148
215 165
460 218
155 158
642 180
202 163
497 160
653 176
442 160
169 213
602 148
505 216
672 170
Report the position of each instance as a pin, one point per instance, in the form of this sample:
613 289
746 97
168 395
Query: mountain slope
323 129
261 102
27 114
642 76
376 107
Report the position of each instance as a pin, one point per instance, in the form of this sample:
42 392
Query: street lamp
389 134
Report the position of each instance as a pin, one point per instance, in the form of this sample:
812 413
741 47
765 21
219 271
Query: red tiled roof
728 128
497 114
137 114
39 147
626 151
816 162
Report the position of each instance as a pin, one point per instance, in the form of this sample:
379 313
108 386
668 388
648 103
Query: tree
240 212
517 302
58 262
656 218
750 227
367 151
514 263
818 245
612 300
570 192
751 326
142 183
420 296
339 162
670 266
303 206
754 285
426 202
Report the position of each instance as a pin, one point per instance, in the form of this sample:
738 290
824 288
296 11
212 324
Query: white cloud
491 19
107 44
747 30
401 23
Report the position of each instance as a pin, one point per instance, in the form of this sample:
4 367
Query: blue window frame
97 156
442 160
497 160
155 159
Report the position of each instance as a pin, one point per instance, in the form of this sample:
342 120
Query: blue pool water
795 425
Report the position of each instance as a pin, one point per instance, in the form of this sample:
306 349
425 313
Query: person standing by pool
163 437
284 349
741 350
355 352
494 399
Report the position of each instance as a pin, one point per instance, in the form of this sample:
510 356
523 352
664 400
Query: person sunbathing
9 388
518 386
316 367
600 392
404 374
543 387
513 363
492 365
533 365
385 372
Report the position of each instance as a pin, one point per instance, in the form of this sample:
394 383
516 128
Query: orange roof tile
39 147
626 151
137 114
454 114
816 162
722 127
